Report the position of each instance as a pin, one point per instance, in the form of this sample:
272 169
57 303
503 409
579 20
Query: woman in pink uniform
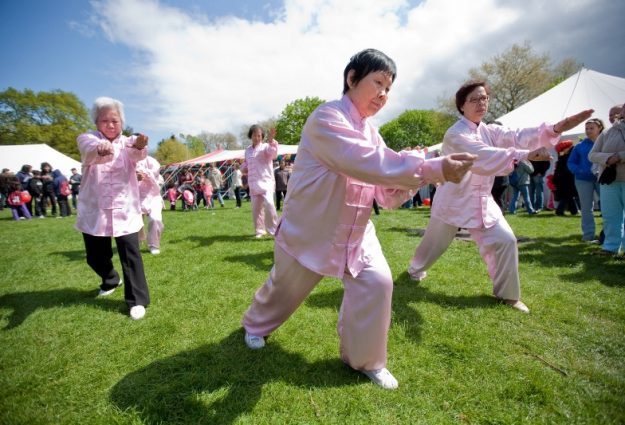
150 182
259 168
469 203
110 205
342 165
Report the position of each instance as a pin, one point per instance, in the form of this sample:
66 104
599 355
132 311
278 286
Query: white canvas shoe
104 293
137 312
417 276
518 305
254 342
383 378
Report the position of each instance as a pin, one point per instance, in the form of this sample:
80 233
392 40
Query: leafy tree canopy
171 150
292 119
515 77
416 128
55 118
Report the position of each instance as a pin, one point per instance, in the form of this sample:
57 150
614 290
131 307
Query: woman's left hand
572 121
613 159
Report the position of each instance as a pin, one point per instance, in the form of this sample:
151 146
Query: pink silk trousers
264 213
497 246
364 317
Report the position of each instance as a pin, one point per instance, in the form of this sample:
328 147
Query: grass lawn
460 357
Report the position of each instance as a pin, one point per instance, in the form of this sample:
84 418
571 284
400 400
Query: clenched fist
141 141
456 165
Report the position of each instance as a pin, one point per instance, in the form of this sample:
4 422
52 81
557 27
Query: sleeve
595 155
574 160
88 147
342 149
271 152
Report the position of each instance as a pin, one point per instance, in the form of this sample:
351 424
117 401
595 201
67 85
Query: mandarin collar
473 126
353 113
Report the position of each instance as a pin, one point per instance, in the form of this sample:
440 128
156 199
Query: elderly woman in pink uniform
150 182
258 166
469 204
110 205
342 166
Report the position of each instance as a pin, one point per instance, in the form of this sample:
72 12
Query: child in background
16 202
172 196
207 189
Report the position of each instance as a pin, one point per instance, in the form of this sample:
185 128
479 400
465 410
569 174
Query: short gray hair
107 103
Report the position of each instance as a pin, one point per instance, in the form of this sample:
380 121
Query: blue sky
216 66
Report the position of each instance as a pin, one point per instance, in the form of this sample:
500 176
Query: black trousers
279 195
99 257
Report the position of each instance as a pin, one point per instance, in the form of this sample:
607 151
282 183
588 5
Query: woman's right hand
456 165
540 154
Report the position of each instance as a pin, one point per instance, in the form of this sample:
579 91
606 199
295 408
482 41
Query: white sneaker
417 276
155 251
383 378
137 312
104 293
517 305
254 342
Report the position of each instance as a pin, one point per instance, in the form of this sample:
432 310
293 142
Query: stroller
188 197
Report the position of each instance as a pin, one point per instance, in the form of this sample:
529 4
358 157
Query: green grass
460 357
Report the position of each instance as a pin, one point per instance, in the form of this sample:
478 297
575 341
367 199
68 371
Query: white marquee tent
587 89
14 157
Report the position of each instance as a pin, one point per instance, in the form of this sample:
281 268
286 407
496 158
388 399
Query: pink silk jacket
109 191
150 186
469 204
259 165
342 164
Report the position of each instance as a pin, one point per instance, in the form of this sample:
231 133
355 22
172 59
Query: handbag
608 175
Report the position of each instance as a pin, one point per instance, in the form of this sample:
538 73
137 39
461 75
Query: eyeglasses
479 99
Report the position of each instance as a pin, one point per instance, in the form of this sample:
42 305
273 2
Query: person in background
523 170
35 188
172 196
48 188
216 179
62 191
237 182
74 181
24 175
500 184
281 175
469 204
325 230
17 202
615 114
258 166
585 179
4 186
564 181
150 182
110 203
608 152
537 184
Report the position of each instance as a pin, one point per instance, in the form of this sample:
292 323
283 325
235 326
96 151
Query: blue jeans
525 192
537 189
613 213
586 192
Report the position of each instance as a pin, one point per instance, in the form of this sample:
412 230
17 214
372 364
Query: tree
55 118
416 128
515 77
292 119
214 141
171 150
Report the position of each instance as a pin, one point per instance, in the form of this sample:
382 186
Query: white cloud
196 72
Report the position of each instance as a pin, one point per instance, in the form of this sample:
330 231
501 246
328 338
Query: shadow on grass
262 261
23 304
218 383
204 241
406 294
566 251
77 255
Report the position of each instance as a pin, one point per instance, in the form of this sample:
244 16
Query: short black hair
468 87
365 62
253 129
